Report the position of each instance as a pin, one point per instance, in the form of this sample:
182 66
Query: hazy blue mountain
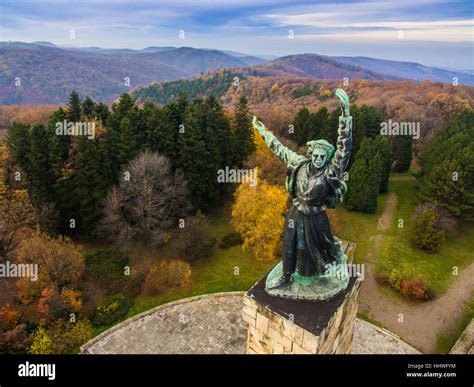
48 73
316 66
407 70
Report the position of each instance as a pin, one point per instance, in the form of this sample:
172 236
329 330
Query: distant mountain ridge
317 66
41 72
408 70
48 73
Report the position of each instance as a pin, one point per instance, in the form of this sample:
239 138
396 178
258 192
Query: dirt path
418 324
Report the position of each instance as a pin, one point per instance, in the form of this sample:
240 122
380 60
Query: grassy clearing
357 227
225 270
398 252
233 269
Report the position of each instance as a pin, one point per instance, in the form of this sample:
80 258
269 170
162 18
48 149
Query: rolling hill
407 70
316 66
42 73
47 73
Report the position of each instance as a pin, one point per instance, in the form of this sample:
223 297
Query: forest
129 213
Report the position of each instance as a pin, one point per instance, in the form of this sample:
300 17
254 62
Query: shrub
413 288
231 239
395 279
424 234
107 269
68 337
444 220
42 342
61 337
16 340
54 304
194 241
9 318
416 289
165 276
112 309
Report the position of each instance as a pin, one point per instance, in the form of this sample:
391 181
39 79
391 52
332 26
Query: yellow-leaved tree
258 215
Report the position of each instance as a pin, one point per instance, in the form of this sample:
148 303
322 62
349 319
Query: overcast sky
430 32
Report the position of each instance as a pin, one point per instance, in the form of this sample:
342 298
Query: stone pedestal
284 326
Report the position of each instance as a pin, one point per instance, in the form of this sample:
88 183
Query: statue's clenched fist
341 94
258 125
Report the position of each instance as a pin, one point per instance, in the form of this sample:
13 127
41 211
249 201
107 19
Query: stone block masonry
283 326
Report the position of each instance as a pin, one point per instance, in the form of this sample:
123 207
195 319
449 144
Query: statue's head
321 152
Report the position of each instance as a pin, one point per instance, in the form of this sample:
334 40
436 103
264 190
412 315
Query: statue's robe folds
308 243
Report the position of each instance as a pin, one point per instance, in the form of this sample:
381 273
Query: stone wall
271 333
465 343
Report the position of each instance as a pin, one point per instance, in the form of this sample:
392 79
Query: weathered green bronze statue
314 264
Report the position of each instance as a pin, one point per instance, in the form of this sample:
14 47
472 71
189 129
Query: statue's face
319 157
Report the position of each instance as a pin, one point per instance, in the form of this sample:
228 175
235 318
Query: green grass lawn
233 269
398 252
357 227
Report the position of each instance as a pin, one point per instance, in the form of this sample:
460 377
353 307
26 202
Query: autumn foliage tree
149 199
258 215
60 260
17 215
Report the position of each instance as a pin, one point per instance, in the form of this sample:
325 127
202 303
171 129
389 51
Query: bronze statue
310 250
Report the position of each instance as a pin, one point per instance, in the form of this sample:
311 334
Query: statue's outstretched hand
258 125
341 94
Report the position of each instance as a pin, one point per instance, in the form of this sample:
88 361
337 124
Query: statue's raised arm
287 155
344 139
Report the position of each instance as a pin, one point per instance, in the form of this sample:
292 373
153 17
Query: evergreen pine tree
302 127
41 172
124 105
364 179
382 147
88 186
401 153
19 144
73 107
358 133
174 126
450 185
319 122
87 107
101 112
128 143
195 160
243 132
370 119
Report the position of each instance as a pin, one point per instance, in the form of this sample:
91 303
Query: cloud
255 26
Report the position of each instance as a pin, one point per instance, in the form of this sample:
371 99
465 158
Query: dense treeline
217 84
372 155
70 175
447 168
